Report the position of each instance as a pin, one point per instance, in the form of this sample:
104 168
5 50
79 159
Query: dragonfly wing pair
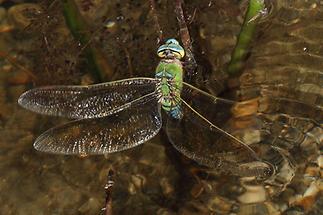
115 116
111 117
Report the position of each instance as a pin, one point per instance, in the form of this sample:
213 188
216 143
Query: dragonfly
115 116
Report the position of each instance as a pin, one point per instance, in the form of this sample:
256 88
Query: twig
128 61
108 193
16 64
157 26
185 35
122 44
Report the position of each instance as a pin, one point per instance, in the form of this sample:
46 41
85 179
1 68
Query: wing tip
44 143
38 144
22 100
25 99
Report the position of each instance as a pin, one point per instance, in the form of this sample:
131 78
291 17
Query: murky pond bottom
282 74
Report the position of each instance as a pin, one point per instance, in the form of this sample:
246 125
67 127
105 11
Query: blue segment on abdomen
176 112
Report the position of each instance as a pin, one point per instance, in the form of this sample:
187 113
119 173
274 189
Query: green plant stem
245 36
77 24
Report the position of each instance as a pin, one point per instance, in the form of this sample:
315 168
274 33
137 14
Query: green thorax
169 72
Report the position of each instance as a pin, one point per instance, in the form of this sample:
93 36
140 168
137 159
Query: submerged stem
245 36
100 68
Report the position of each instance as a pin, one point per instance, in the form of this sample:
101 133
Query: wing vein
221 130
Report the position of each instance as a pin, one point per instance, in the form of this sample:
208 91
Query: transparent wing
191 93
123 130
204 135
92 101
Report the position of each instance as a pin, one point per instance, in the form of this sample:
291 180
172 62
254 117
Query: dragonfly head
171 49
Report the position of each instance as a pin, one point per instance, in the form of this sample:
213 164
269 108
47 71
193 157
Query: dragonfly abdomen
176 112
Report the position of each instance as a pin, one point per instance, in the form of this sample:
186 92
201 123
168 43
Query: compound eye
172 41
161 51
177 50
179 53
161 54
171 48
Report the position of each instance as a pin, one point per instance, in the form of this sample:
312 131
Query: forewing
123 130
208 139
81 102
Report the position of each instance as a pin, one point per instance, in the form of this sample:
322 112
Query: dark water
282 74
